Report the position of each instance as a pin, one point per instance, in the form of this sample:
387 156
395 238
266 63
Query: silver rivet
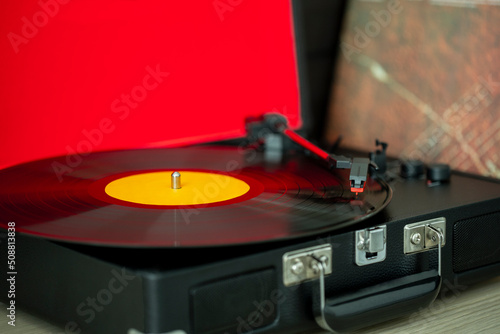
297 267
416 238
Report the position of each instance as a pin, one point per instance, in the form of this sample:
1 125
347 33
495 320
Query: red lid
93 75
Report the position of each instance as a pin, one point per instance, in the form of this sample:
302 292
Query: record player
145 224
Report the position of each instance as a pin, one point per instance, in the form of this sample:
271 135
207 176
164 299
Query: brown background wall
424 77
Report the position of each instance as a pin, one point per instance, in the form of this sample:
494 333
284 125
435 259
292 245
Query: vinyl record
227 196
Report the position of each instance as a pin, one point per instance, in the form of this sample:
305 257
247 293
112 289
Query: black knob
411 169
438 173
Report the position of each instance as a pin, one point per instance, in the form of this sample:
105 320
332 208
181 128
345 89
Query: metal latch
371 245
422 236
302 265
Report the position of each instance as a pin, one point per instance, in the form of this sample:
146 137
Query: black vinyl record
61 199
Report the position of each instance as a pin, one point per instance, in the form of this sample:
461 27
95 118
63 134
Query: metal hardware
302 265
416 238
176 180
437 235
431 283
297 267
371 245
425 235
320 319
273 149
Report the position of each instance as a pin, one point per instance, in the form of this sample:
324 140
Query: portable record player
266 233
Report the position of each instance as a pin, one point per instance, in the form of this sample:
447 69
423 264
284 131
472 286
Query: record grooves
287 200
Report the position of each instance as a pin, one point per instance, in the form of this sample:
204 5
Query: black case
240 289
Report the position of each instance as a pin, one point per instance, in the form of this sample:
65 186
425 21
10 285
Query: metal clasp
371 245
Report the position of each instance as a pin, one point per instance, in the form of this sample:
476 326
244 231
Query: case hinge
302 265
422 236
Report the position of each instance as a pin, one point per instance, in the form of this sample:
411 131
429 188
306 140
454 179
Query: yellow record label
155 188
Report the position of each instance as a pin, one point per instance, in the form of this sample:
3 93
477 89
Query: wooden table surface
472 309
